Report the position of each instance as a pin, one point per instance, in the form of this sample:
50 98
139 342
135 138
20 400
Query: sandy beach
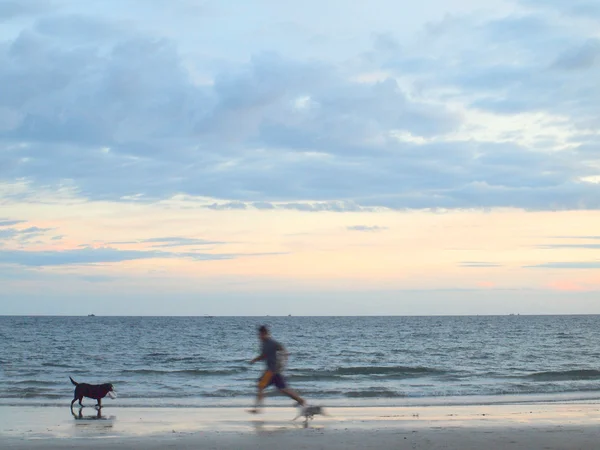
524 426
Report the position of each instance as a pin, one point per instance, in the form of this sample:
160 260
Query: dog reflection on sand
97 416
100 420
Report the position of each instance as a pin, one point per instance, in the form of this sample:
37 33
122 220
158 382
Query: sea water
203 361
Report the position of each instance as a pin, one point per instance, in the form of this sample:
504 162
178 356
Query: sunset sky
327 157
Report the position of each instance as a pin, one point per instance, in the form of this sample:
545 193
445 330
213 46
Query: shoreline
51 428
274 399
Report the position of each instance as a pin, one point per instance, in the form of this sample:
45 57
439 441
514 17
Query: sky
327 157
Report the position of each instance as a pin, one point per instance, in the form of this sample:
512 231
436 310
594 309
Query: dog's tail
73 381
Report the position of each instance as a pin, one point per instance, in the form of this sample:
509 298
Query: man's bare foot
254 411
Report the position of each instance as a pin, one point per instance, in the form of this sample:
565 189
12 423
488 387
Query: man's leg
281 384
293 395
259 400
263 383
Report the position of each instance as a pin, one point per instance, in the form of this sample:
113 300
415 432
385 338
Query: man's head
263 332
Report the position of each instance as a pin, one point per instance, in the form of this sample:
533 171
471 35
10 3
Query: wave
374 393
38 382
170 358
565 336
55 364
566 375
232 393
390 372
31 392
193 372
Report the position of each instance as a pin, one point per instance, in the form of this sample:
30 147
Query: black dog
95 391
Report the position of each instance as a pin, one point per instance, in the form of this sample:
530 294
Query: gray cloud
34 230
8 223
228 206
367 228
577 237
168 242
8 233
88 255
332 206
567 265
67 257
572 245
558 246
22 235
583 57
120 107
584 8
10 9
178 241
479 264
80 29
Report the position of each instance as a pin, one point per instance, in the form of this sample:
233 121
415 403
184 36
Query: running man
269 354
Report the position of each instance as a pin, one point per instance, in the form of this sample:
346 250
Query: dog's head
110 390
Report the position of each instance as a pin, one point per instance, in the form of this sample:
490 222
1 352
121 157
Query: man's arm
281 348
258 358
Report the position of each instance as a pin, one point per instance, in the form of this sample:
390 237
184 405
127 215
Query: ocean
203 361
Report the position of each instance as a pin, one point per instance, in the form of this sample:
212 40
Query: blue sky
220 153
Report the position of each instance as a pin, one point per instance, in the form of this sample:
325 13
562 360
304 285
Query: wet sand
523 426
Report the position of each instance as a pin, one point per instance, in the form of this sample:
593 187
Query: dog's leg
99 405
74 400
80 404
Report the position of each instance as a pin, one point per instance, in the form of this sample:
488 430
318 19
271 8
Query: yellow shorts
269 378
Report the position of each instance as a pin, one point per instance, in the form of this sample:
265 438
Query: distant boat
91 315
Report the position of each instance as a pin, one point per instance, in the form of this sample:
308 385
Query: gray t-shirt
270 347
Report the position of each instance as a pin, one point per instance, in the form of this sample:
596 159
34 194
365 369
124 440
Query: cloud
307 206
23 234
118 113
567 265
80 28
367 228
68 257
583 57
179 241
558 246
8 223
35 230
571 245
577 237
228 206
583 8
479 264
88 255
8 233
169 242
11 9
